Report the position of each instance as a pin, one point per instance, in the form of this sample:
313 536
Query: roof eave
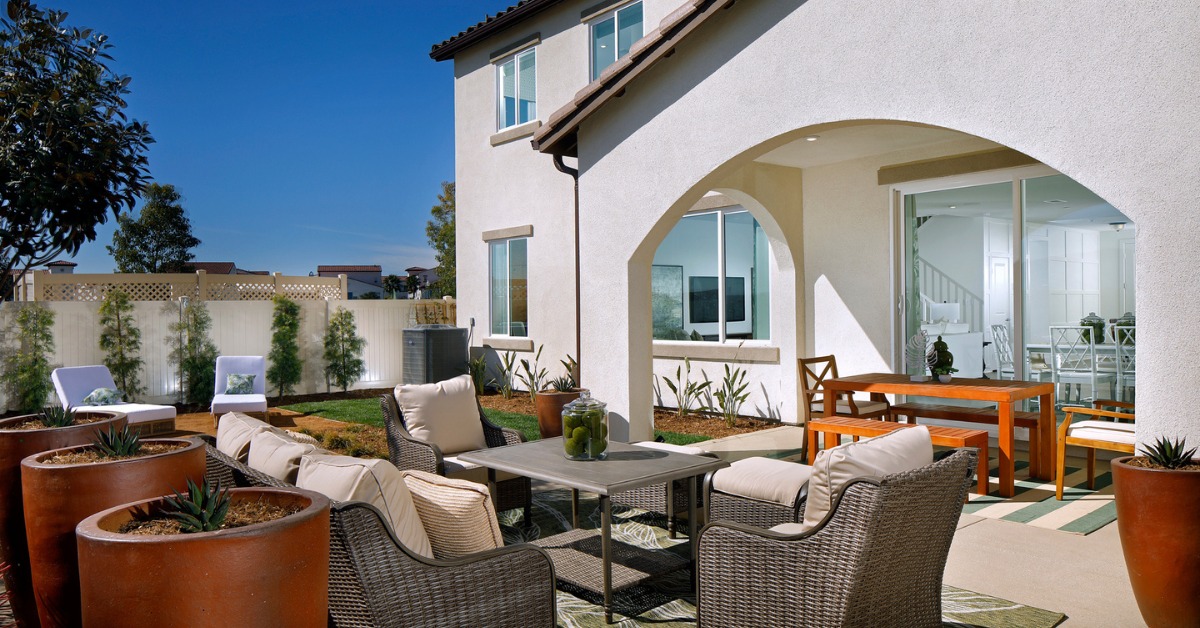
487 28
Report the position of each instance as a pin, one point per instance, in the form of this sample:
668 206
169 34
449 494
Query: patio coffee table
627 467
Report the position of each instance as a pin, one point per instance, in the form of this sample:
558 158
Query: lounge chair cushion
458 515
376 482
1108 431
895 452
443 414
234 431
134 412
764 479
462 470
679 449
223 403
277 455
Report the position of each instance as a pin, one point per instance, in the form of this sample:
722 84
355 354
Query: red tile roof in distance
62 263
488 27
214 268
350 269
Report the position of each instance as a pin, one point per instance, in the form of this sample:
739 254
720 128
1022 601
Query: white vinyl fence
240 328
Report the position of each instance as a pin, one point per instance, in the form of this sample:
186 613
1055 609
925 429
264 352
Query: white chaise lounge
74 383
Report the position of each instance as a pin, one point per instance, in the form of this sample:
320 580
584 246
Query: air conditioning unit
433 353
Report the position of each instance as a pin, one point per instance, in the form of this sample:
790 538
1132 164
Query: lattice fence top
137 291
169 287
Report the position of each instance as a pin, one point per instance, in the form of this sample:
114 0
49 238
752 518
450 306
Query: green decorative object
943 363
1126 320
1096 323
585 428
102 397
239 384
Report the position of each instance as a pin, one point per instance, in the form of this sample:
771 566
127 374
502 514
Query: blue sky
299 132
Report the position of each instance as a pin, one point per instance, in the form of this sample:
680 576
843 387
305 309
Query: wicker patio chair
407 452
375 581
876 559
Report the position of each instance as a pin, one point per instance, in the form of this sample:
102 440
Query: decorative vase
585 428
1097 327
15 446
274 573
550 405
945 378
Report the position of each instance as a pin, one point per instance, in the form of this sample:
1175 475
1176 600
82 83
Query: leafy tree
194 354
286 365
159 240
343 350
369 296
440 231
393 284
27 369
68 154
121 342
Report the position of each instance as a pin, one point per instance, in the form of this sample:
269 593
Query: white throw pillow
234 431
901 450
443 414
376 482
458 514
278 456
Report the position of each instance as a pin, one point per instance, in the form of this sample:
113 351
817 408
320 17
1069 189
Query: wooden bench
989 416
839 426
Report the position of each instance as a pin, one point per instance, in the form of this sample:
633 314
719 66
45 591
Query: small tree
440 231
413 283
121 342
343 350
159 240
194 354
27 369
393 284
286 365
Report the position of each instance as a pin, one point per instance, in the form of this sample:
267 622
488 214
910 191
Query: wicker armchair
407 452
876 560
748 511
376 581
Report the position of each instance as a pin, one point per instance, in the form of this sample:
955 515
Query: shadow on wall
836 330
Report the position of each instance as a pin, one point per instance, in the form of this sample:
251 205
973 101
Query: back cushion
898 451
277 456
458 514
376 482
443 414
234 431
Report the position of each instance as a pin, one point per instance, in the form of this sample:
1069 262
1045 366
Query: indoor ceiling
858 141
1054 199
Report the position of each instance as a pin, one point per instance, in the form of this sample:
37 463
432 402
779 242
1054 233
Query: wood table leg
1048 434
812 444
1006 449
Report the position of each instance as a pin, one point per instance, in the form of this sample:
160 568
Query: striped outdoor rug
1081 511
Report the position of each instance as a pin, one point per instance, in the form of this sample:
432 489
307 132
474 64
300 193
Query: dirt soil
240 514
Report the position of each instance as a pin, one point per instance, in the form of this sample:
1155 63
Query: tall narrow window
509 277
516 86
613 34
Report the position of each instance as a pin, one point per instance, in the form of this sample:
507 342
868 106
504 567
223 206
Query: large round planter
1158 517
265 574
549 404
58 496
16 445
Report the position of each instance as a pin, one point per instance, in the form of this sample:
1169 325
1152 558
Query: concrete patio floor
1082 576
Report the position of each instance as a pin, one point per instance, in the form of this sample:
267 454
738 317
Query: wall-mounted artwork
703 299
666 298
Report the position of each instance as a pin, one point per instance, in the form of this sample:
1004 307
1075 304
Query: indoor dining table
1004 393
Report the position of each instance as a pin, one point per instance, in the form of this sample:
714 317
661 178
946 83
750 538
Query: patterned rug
668 602
1082 511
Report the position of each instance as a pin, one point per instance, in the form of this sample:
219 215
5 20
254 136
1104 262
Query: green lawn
367 411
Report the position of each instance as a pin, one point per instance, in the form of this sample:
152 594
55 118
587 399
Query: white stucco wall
1107 96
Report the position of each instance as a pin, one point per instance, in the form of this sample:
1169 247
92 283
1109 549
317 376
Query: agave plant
115 444
202 510
57 416
1170 453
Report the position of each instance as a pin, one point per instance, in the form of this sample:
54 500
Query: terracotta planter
58 496
1158 517
266 574
16 445
549 404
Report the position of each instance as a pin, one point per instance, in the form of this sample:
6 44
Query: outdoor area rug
667 601
1082 511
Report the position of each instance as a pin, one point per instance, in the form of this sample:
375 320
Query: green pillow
239 384
102 397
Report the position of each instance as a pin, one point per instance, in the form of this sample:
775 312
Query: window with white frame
516 89
613 35
711 279
509 277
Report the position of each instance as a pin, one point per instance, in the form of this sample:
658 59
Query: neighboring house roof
489 26
214 268
252 272
415 269
62 263
350 269
559 135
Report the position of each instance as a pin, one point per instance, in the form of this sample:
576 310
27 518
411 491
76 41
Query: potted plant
550 402
22 436
1158 518
943 361
241 557
63 486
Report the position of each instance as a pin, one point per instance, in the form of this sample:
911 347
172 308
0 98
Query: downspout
574 172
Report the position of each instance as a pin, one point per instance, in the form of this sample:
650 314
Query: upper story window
613 34
509 278
516 86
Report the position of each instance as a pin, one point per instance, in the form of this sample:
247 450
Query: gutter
574 173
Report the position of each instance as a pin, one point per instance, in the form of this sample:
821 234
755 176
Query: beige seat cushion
1109 431
898 451
376 482
443 414
461 470
679 449
234 431
764 479
458 515
864 407
278 456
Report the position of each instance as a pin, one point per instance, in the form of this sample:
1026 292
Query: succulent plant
1169 453
57 416
115 444
563 384
202 510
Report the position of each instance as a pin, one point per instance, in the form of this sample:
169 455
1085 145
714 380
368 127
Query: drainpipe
574 172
